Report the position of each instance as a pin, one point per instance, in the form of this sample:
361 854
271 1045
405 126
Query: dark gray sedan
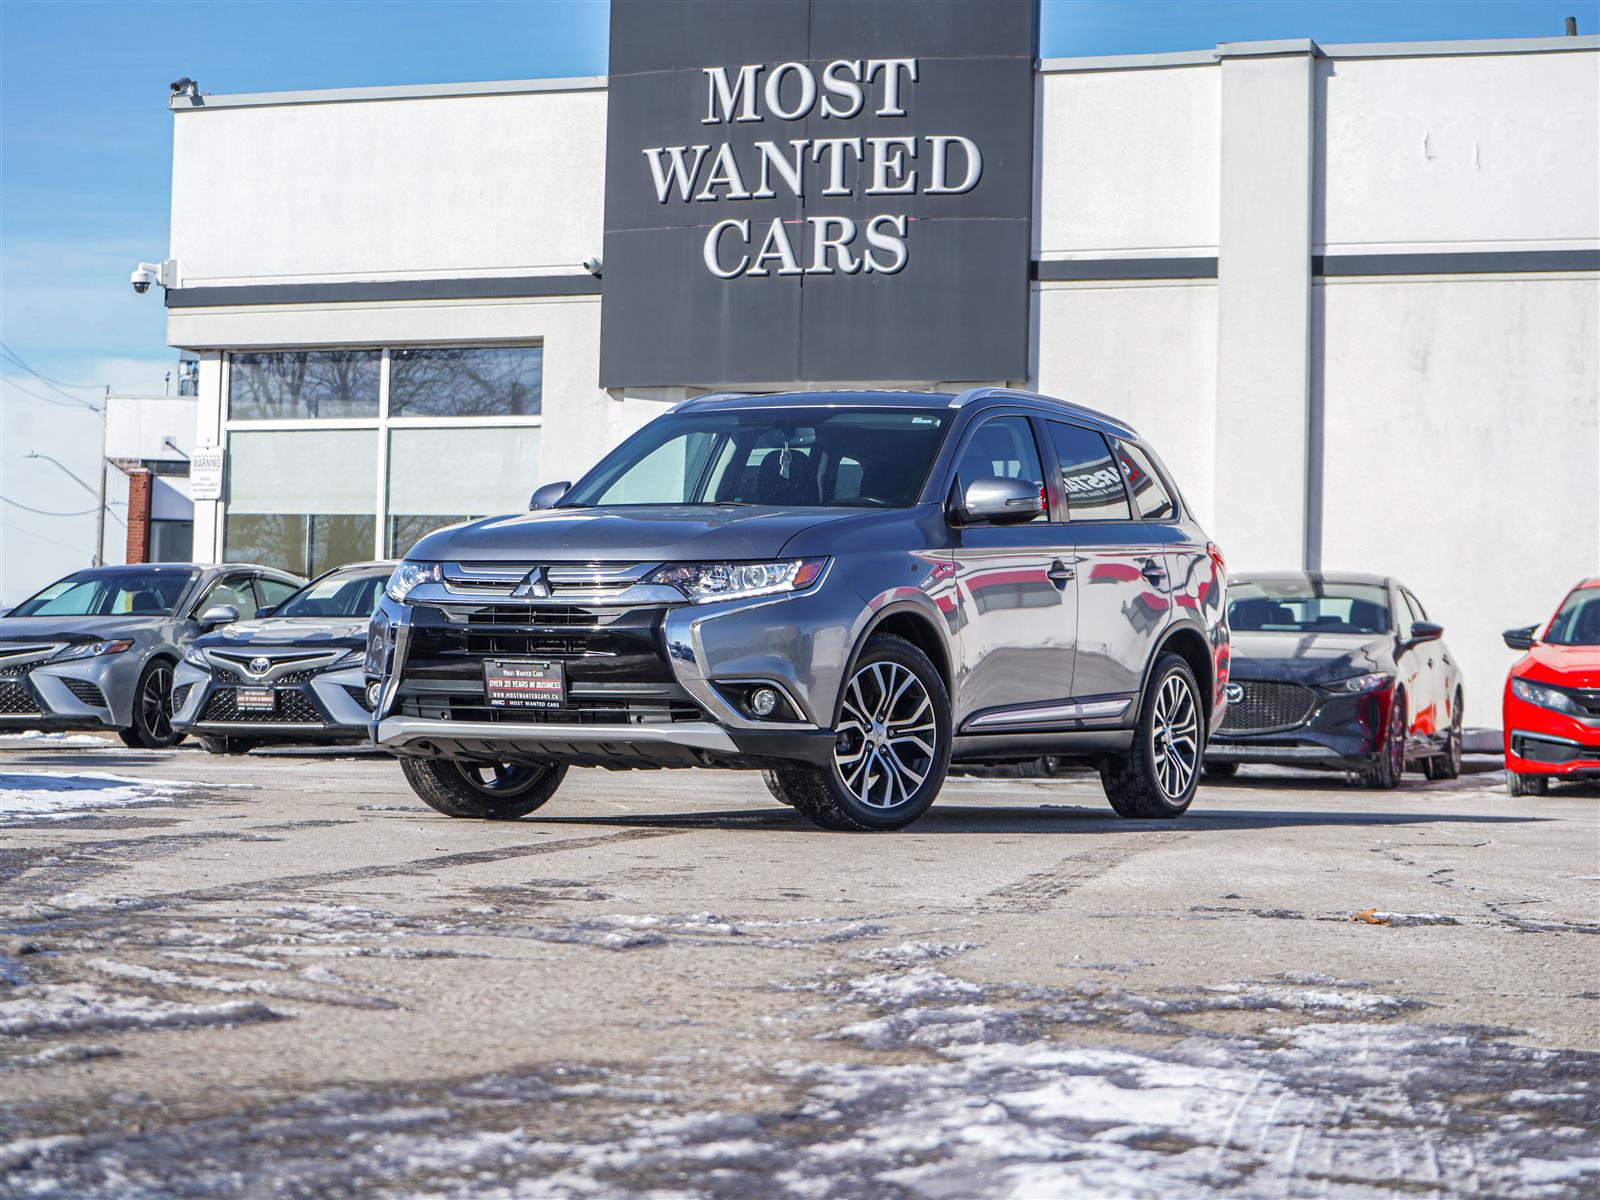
97 649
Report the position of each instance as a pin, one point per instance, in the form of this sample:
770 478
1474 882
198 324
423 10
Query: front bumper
86 693
324 706
1541 741
1333 731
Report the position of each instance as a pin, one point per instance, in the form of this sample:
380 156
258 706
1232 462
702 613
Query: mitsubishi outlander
845 590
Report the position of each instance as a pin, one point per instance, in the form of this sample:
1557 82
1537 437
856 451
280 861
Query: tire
1518 784
501 792
227 745
1221 770
1384 775
894 700
775 785
1447 765
1158 775
152 710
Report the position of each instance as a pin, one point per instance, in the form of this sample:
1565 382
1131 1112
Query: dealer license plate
255 699
519 683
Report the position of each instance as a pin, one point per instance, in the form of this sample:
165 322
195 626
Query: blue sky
85 135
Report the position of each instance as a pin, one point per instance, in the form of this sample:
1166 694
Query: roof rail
709 396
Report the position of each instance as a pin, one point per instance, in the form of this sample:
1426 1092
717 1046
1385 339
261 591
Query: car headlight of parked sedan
1361 683
90 650
705 582
196 657
1546 697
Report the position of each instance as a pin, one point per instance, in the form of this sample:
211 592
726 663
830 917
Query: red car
1552 703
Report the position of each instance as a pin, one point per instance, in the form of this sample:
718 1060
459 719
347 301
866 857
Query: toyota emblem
1234 692
260 665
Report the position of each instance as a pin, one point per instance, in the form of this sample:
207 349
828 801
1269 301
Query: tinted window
1090 478
304 383
273 592
130 592
794 457
343 594
1149 493
1003 447
235 591
1415 607
1307 606
1577 622
466 381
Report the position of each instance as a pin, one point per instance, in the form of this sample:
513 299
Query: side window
234 590
1090 477
273 592
1148 491
1414 606
1004 447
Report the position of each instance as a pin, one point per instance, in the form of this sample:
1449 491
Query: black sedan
291 675
1340 672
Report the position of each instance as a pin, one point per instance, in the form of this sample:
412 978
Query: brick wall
138 515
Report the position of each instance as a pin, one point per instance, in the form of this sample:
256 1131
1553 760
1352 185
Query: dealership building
1350 292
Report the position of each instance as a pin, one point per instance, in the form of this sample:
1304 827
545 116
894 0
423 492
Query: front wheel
487 791
891 745
1158 775
1447 765
152 710
1384 775
1526 785
227 745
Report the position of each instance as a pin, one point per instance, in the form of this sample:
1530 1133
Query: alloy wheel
886 743
155 703
1397 737
1175 736
499 779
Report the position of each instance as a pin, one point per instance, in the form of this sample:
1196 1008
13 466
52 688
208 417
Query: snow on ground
57 740
51 795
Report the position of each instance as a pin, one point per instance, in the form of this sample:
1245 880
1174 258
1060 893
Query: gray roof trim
419 91
1052 270
1191 58
494 287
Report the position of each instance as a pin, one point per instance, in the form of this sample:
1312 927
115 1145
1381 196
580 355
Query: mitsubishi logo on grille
534 586
260 665
1234 692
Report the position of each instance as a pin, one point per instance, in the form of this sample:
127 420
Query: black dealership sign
817 190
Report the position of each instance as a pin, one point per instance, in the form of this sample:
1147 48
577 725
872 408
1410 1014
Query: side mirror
549 495
995 500
1520 639
219 614
1425 631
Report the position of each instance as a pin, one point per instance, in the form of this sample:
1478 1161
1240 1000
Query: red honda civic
1552 702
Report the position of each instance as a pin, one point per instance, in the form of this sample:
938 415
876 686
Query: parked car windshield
793 457
1307 606
1577 622
125 593
337 594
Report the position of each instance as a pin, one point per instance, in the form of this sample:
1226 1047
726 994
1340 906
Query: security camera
164 273
142 279
181 85
592 265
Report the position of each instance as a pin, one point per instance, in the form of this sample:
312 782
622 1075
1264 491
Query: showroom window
337 456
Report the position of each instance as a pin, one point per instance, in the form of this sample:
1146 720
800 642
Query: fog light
374 690
763 702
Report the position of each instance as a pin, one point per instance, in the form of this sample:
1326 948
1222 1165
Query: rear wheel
487 791
1526 785
1447 765
152 710
891 748
228 745
1391 765
1158 775
1221 770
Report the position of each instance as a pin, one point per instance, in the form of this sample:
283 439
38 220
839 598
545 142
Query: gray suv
846 590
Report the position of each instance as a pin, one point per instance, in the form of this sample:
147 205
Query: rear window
1149 493
1090 477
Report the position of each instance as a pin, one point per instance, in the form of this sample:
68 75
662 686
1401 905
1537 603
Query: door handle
1153 572
1060 574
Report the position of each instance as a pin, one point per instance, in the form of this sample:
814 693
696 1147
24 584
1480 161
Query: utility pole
100 513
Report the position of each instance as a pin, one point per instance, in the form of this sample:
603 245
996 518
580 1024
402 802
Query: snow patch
75 1008
30 795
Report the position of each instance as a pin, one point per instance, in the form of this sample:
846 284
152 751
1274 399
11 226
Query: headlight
705 582
1360 683
346 659
196 657
1545 697
408 575
90 650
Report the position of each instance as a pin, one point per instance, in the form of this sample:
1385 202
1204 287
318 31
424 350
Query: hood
644 533
289 631
77 629
1309 657
1569 666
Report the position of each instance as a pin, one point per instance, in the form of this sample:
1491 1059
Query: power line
13 356
44 512
81 387
68 403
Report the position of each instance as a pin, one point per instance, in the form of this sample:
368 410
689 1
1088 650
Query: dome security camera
146 273
142 279
592 265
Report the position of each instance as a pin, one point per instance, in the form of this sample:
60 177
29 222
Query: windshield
1307 606
339 594
796 458
1577 622
133 592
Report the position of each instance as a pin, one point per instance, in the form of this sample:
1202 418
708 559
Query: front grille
16 697
180 694
87 693
224 675
359 695
578 710
1268 706
1587 699
294 708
